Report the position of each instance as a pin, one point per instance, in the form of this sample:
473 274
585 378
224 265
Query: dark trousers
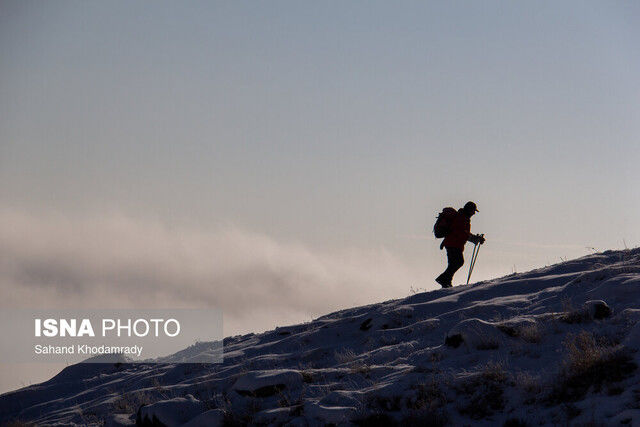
456 260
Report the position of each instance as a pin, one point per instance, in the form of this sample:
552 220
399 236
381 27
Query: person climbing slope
455 226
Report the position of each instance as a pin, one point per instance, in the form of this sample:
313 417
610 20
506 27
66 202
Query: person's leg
455 261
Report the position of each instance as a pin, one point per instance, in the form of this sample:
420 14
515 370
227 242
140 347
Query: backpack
442 227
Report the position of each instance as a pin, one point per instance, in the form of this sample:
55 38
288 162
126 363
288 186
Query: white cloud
114 260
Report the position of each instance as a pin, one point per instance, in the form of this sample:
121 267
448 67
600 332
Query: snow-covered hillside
558 345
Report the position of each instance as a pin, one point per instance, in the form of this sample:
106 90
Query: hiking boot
443 283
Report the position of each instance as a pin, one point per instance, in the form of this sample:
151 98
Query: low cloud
114 260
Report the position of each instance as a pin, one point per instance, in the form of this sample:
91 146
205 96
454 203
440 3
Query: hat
471 207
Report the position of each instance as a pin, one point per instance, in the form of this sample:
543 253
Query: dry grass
237 418
353 364
531 333
376 419
359 367
590 364
515 422
430 396
345 356
307 376
530 384
484 391
129 403
570 314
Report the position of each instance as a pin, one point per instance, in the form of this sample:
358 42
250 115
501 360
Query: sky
280 160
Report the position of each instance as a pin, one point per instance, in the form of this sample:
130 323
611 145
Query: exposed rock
597 309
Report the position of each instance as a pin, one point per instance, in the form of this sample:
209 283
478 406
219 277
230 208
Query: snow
486 353
267 382
328 414
210 418
170 412
475 334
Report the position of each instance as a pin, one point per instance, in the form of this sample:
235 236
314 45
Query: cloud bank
113 260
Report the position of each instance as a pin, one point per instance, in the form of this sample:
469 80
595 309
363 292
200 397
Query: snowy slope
555 345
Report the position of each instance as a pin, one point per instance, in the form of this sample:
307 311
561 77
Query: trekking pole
473 261
474 257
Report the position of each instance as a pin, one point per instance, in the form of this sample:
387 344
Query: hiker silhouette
459 232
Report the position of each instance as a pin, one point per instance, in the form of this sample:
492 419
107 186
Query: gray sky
284 159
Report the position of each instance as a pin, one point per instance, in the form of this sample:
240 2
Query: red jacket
460 232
